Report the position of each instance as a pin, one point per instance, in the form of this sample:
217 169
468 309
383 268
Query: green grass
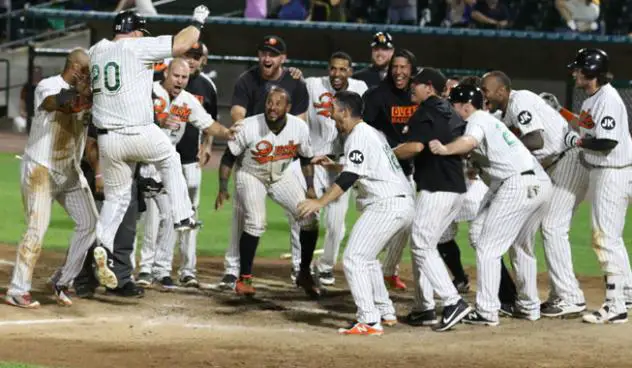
214 237
18 365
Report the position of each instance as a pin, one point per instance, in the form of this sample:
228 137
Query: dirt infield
280 328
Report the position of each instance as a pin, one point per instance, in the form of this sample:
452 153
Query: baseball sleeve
44 89
420 129
607 117
199 117
305 149
238 145
474 130
153 49
356 152
524 115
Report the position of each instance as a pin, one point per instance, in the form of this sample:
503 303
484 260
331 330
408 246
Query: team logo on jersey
266 152
524 117
585 120
326 102
356 157
182 113
401 114
607 122
159 108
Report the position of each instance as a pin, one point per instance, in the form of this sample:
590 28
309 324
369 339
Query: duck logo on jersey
266 152
607 122
586 120
356 157
524 117
326 102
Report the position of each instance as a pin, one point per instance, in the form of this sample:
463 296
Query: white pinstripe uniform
471 206
325 141
528 112
50 171
157 256
604 116
122 73
517 202
385 199
263 170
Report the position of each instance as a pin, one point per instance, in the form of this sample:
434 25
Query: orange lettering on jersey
326 102
266 152
401 114
585 120
180 112
159 109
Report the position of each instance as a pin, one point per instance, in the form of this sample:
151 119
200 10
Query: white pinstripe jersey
604 116
122 76
267 155
499 154
322 129
368 155
528 113
57 139
183 109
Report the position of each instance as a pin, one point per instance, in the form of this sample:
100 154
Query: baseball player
174 108
382 49
265 147
325 141
542 130
50 171
385 199
440 182
122 71
518 200
607 150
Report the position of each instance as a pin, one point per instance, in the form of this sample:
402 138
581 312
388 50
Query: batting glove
551 100
200 14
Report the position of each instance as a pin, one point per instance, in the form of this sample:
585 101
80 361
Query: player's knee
309 224
32 241
254 228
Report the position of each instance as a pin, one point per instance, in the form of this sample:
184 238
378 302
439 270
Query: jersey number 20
108 77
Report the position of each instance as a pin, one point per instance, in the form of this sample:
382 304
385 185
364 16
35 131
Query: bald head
178 63
176 76
496 87
77 57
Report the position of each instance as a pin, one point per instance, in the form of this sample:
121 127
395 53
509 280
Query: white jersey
57 139
322 128
183 109
267 155
499 154
604 116
529 113
368 155
122 76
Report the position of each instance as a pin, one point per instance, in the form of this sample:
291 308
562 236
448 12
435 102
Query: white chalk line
30 322
4 262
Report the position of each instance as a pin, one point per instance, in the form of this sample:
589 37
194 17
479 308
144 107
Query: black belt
528 172
557 159
401 196
101 131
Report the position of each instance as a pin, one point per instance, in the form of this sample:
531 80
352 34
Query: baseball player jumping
265 147
514 213
50 171
122 73
542 130
607 151
385 198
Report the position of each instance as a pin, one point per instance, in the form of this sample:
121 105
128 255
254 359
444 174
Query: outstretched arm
225 170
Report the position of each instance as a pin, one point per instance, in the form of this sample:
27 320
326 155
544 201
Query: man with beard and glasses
265 148
382 49
249 99
387 108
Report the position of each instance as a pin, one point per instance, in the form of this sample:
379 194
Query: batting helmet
592 62
129 21
465 93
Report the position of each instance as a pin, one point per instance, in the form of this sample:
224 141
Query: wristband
198 25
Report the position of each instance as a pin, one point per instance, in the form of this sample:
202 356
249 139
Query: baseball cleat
423 318
394 282
22 301
364 329
560 308
452 314
188 224
129 290
293 275
189 281
228 282
474 318
84 291
389 320
327 278
507 310
306 281
244 286
105 264
604 316
628 305
144 279
167 283
463 286
61 295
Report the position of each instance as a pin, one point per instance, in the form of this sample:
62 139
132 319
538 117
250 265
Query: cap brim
271 49
382 45
145 32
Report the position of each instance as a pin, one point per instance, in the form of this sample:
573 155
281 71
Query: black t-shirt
371 75
436 119
388 109
250 91
204 90
499 13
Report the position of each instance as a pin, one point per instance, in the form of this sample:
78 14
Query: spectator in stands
256 9
490 14
26 101
458 13
143 7
580 15
294 10
402 12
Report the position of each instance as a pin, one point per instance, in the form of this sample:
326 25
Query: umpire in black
86 283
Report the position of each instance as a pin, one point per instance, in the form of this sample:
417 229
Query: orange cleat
244 286
394 282
358 328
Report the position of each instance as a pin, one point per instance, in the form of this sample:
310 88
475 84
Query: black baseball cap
195 50
383 40
431 77
274 44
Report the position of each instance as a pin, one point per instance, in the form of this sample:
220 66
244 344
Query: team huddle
421 152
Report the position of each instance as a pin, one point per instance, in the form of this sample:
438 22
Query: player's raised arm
183 41
75 73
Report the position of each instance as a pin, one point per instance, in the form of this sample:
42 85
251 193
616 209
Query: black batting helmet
465 93
592 62
129 21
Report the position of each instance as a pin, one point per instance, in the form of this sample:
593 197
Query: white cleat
104 264
604 316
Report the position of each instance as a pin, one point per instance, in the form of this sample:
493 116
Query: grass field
214 237
18 365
